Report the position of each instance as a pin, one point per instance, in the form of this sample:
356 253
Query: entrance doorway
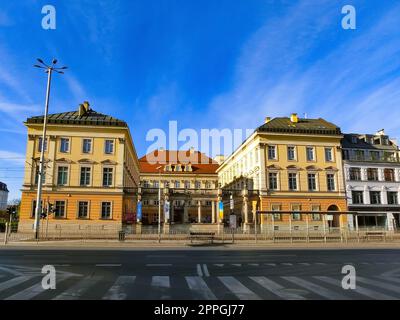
335 223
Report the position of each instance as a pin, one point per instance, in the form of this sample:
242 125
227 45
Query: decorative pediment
330 168
64 160
274 167
293 167
312 168
85 160
109 162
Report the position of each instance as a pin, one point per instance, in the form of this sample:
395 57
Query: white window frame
91 175
91 145
88 209
101 210
69 144
105 146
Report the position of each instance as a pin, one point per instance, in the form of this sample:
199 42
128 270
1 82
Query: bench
375 234
201 236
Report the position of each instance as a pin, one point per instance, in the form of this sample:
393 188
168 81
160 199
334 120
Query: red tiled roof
201 164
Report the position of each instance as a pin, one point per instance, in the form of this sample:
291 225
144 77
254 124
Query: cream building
91 168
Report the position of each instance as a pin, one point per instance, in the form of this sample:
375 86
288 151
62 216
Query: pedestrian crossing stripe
205 288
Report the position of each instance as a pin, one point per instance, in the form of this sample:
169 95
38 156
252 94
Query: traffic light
51 208
43 215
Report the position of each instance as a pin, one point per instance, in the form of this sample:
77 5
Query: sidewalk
185 245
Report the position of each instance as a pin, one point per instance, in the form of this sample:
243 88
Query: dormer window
354 139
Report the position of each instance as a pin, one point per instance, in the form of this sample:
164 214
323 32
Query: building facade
90 167
187 180
372 173
3 196
290 166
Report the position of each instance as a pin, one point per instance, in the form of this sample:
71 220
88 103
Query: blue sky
207 64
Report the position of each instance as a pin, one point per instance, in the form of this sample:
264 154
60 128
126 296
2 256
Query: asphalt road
200 274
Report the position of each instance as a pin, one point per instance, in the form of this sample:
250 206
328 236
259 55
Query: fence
221 234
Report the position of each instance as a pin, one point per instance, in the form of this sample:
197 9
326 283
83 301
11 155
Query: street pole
159 204
38 209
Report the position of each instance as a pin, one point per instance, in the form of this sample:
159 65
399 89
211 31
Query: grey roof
306 126
347 142
91 117
3 187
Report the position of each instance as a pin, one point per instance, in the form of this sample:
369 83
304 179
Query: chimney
380 132
191 150
84 108
294 118
267 119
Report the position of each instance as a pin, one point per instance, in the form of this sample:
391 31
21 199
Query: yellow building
290 165
91 168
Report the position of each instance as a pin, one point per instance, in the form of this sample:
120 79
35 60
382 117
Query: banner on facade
166 210
221 210
139 211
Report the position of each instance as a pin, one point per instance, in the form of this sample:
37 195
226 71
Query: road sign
231 203
232 221
166 210
139 211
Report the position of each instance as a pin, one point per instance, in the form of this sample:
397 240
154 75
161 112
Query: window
291 151
355 174
156 184
272 152
177 184
374 155
312 183
83 209
40 144
330 182
328 155
87 146
357 197
187 184
310 154
106 210
62 176
145 202
208 203
292 181
273 180
197 185
315 216
375 197
389 175
146 184
85 176
64 145
107 177
277 207
59 211
296 215
360 155
109 147
156 202
392 197
372 174
208 185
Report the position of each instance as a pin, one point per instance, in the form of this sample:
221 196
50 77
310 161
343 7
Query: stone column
246 225
213 211
384 197
366 195
185 212
199 212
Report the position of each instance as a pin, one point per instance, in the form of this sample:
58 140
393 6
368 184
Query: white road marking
108 265
390 279
76 291
386 286
326 293
10 270
34 290
199 271
320 263
118 289
158 265
287 264
61 265
14 282
205 269
238 289
276 288
160 281
360 290
198 285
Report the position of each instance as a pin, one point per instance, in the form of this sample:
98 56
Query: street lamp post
159 203
49 70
